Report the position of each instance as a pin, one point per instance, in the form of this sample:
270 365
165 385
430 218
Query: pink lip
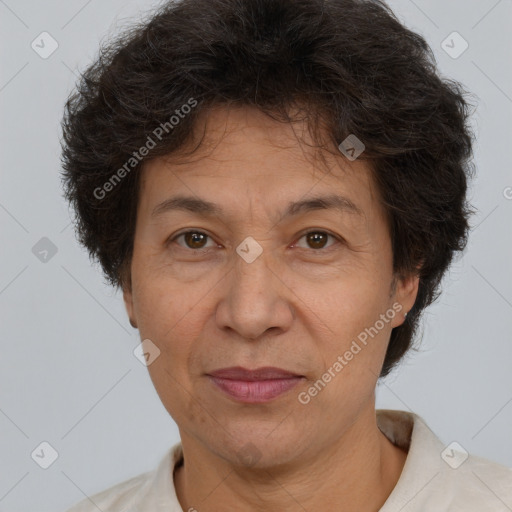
254 386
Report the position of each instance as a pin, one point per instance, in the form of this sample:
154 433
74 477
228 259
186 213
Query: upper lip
263 373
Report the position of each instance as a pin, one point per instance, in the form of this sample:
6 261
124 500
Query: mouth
254 386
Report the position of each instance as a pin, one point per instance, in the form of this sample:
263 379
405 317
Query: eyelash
317 231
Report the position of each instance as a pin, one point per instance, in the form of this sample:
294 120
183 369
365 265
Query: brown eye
193 239
196 240
317 239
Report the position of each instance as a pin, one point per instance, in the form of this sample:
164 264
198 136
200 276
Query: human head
370 76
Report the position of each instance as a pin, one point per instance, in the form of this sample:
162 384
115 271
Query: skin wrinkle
289 308
373 78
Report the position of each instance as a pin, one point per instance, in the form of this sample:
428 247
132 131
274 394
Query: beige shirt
435 478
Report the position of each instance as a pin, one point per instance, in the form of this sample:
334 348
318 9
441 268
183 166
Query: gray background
68 374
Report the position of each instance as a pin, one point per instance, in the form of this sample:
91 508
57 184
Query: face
251 282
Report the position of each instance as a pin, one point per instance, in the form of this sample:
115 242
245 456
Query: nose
255 299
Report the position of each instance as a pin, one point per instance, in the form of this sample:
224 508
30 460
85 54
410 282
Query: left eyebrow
209 209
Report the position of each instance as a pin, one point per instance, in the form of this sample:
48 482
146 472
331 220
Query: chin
259 450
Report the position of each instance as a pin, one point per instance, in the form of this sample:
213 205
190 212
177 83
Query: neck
338 476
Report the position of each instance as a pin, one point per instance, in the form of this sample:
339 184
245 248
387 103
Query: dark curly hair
351 66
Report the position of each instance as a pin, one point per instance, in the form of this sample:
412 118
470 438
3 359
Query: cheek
176 392
170 319
351 359
359 325
352 304
161 314
174 316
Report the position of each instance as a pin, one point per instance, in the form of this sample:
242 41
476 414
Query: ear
128 303
405 292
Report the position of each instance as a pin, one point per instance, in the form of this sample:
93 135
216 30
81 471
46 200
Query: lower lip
255 391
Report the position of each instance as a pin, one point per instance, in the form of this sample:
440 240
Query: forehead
246 154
